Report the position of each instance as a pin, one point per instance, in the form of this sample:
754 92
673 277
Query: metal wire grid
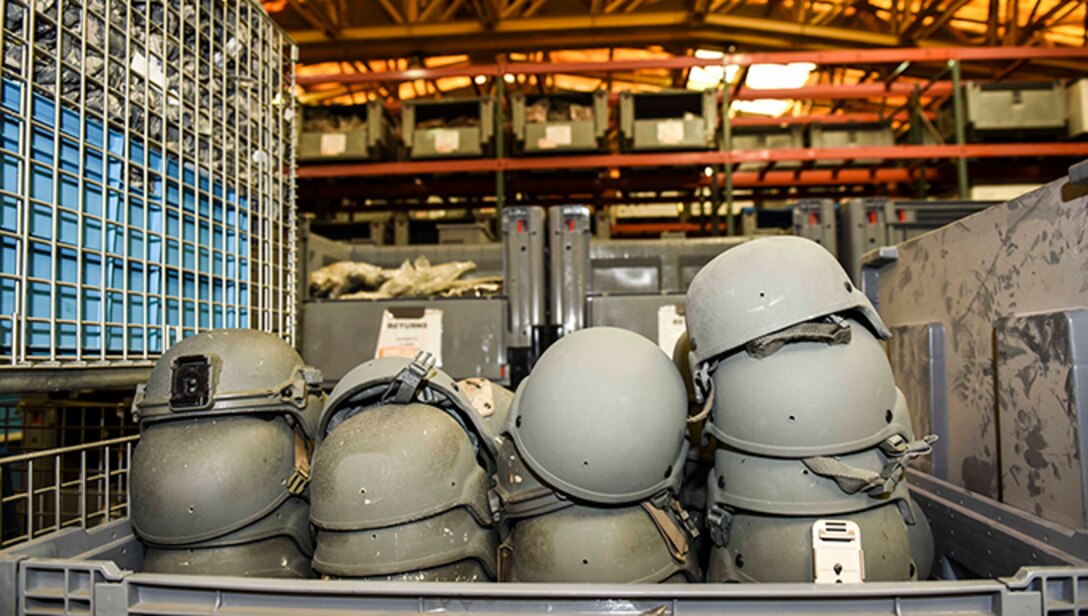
78 486
146 176
36 423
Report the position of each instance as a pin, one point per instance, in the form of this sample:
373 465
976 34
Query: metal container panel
1020 258
339 335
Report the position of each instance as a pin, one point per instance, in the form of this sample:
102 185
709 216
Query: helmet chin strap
405 385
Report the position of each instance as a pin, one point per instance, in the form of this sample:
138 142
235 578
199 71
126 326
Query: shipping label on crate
446 141
406 331
333 144
670 326
670 132
555 136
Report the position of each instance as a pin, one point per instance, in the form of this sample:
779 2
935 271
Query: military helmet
277 557
193 480
789 487
443 539
637 544
602 417
291 519
921 542
764 286
520 493
807 398
767 548
395 464
230 372
398 380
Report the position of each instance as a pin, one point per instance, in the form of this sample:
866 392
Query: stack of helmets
592 463
812 435
401 478
219 477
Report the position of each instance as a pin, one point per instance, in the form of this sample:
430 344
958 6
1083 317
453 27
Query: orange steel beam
820 58
693 159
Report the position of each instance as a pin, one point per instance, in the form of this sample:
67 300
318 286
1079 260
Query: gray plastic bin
1009 110
668 120
768 138
815 220
850 135
356 132
557 123
454 128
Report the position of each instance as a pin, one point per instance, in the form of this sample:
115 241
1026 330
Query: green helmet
395 464
764 286
291 519
639 544
520 493
277 557
230 372
789 487
440 540
196 479
602 418
807 398
921 542
765 548
400 381
681 357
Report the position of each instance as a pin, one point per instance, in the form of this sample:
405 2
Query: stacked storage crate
454 128
146 190
346 132
668 120
573 122
1009 111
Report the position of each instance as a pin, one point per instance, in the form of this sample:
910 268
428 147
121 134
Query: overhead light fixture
709 77
480 80
509 78
774 77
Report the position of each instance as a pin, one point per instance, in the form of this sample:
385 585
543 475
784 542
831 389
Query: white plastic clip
837 556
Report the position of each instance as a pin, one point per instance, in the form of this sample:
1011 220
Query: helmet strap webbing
852 479
675 537
835 330
405 385
300 476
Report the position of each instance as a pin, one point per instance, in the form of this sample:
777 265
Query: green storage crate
570 122
347 132
453 128
676 120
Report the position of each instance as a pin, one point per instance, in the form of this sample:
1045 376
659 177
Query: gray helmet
398 380
602 418
807 398
763 548
291 519
766 285
921 542
396 464
197 479
443 539
277 557
603 545
789 487
464 571
520 493
230 372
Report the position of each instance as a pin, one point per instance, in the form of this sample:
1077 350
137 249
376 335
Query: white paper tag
670 326
446 141
151 71
333 144
558 134
406 336
670 132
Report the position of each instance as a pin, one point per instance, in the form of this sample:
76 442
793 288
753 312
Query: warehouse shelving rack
946 82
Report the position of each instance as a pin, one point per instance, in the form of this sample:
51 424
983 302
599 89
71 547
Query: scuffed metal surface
909 351
1027 255
1040 412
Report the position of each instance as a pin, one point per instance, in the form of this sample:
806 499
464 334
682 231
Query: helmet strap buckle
718 522
405 385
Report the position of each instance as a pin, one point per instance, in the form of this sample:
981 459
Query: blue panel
92 338
11 95
69 122
10 171
92 234
68 232
92 200
69 192
41 183
43 109
92 165
205 261
41 221
41 261
92 270
94 134
11 133
136 212
9 213
115 239
135 278
9 256
115 307
66 304
136 244
39 298
69 156
41 146
67 265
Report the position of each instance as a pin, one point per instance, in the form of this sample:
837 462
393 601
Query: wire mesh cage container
146 176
